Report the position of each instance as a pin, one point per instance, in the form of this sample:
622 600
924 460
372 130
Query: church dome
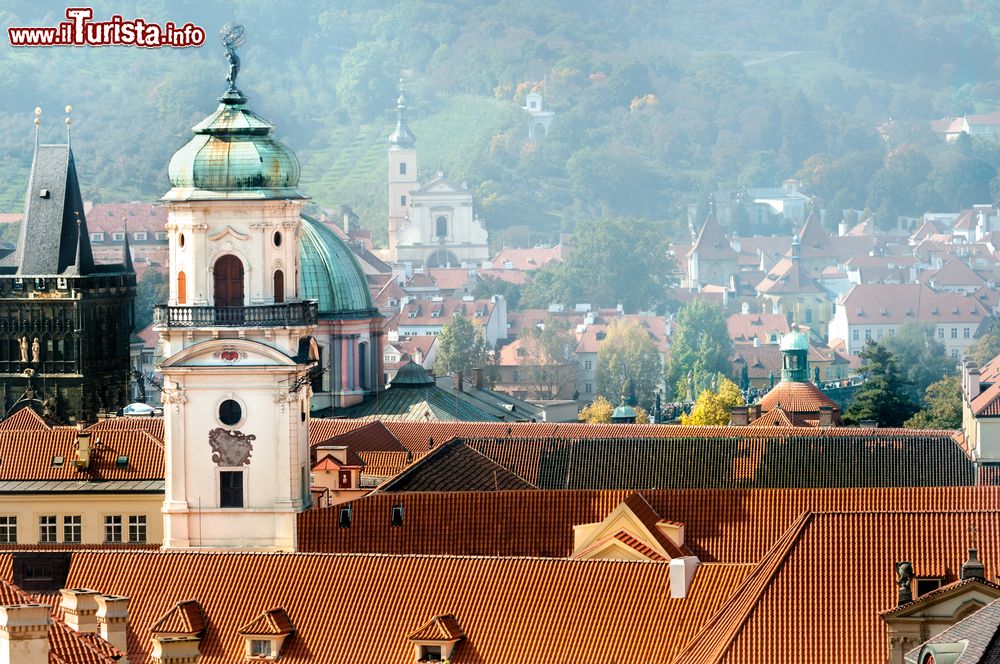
331 274
233 156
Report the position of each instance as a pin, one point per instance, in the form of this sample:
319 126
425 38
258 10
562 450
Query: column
356 357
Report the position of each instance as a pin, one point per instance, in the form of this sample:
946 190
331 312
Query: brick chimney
739 416
681 574
477 378
24 634
175 649
826 416
754 412
112 622
975 387
458 380
80 609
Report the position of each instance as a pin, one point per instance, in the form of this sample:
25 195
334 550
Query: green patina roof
331 274
795 340
233 156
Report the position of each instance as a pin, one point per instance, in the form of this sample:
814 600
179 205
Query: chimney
975 386
112 621
739 416
458 380
756 342
347 223
842 228
82 458
79 607
681 574
477 378
973 568
745 308
175 649
24 634
754 411
826 416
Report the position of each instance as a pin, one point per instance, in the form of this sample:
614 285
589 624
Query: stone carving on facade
904 577
24 350
230 448
229 355
36 351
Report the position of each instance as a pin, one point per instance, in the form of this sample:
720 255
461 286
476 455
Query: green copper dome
331 274
233 156
795 340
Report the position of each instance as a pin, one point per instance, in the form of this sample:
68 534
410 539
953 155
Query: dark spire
126 252
973 568
402 137
53 238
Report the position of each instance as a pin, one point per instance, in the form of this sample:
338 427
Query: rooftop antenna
69 123
37 122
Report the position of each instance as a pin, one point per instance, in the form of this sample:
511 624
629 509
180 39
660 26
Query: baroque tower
236 345
402 173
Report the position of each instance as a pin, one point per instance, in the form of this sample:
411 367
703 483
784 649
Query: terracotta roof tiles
455 466
438 628
184 617
275 621
579 616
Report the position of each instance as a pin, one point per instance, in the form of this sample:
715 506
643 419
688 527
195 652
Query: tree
708 411
986 347
461 347
942 406
548 358
882 397
920 357
598 412
701 346
487 287
628 353
151 290
713 408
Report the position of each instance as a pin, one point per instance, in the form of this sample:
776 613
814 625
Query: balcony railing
266 315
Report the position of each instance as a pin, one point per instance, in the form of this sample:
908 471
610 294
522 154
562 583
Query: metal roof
331 274
73 486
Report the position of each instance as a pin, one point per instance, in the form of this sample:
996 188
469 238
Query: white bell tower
234 336
402 173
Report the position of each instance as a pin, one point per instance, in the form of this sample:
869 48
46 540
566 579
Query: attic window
927 584
260 647
935 311
430 654
122 461
396 519
884 311
909 311
57 461
345 517
412 314
44 193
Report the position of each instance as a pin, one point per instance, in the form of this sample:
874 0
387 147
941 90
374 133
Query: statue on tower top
233 36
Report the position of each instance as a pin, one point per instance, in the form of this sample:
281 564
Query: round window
277 238
180 240
230 412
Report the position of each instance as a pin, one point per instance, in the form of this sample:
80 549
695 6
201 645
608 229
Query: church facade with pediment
433 224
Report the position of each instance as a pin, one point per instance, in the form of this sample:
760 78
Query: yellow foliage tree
729 394
708 411
641 416
598 412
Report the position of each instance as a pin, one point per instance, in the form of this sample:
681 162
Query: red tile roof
720 525
712 242
454 466
108 218
527 259
184 617
789 276
895 304
953 273
429 313
499 603
384 464
781 607
35 455
747 327
365 437
438 628
801 401
273 622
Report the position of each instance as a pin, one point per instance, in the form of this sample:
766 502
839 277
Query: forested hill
656 100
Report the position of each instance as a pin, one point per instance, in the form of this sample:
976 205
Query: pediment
441 185
950 603
632 530
228 230
229 352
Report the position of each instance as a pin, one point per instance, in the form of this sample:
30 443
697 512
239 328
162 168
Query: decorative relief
230 448
229 355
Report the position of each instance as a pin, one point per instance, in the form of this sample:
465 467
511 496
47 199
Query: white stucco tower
235 339
402 172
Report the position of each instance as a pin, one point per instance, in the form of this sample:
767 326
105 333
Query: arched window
441 227
402 168
279 286
181 288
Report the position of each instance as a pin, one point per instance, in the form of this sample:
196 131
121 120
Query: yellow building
63 485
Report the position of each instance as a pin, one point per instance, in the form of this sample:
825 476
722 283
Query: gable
228 352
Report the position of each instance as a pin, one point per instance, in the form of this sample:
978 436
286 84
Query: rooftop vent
396 518
58 461
345 517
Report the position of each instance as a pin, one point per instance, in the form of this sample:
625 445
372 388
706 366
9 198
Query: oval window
277 238
230 412
180 240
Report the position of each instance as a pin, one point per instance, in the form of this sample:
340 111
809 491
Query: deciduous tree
628 353
942 406
461 347
701 346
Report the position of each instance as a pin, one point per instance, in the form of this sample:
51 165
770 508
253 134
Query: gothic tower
65 320
235 337
402 173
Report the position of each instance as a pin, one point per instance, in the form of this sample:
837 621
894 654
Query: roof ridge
711 644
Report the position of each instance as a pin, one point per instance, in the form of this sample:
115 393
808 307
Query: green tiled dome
331 274
795 340
233 156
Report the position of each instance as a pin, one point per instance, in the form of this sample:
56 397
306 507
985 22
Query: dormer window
260 648
266 634
118 237
140 236
435 640
430 654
